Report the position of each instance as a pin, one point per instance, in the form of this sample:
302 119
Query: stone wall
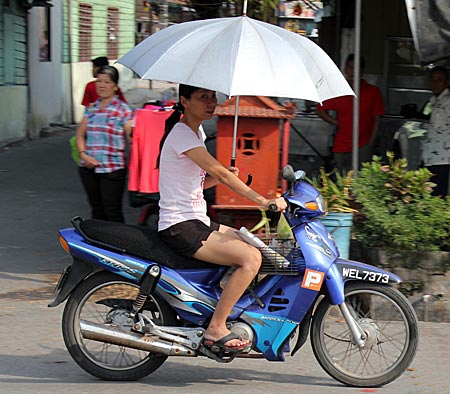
426 277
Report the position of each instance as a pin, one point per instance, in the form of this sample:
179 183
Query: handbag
74 150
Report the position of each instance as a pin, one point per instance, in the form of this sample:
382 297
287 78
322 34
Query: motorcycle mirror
288 174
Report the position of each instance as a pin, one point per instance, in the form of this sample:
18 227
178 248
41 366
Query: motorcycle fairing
321 250
192 293
271 333
124 265
285 305
281 296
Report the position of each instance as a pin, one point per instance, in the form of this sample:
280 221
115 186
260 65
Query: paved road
40 192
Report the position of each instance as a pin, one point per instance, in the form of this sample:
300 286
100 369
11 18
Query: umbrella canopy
238 56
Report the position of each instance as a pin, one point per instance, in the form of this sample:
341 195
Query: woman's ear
183 101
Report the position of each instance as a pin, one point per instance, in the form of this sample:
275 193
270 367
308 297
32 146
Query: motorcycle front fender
345 270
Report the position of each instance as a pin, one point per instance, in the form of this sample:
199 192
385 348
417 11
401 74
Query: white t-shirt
180 179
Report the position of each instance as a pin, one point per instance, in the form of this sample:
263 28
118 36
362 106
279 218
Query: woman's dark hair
183 91
111 71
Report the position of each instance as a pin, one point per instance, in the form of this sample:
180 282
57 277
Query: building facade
45 58
95 28
13 71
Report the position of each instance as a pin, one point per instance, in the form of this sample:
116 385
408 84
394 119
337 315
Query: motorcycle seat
140 241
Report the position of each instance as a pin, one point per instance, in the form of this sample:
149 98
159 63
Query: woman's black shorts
187 237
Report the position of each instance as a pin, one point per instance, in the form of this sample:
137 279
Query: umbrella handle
249 176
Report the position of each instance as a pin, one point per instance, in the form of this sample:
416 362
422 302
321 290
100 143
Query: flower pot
339 225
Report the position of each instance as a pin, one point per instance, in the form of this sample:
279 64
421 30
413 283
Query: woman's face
202 104
106 87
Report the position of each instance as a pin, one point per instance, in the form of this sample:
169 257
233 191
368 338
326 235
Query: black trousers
105 193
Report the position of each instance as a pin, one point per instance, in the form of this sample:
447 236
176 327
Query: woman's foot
235 341
229 343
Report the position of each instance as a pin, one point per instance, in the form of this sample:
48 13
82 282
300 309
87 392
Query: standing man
90 92
436 145
371 108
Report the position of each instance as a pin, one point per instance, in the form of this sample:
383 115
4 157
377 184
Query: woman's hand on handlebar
277 205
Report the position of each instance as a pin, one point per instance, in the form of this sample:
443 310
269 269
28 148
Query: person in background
436 144
183 221
101 141
371 107
90 95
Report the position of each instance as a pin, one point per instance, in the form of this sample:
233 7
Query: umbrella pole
233 149
356 85
236 117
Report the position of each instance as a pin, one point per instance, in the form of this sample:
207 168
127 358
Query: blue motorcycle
132 302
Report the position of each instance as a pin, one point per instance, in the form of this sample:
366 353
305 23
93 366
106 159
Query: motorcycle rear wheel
390 324
106 299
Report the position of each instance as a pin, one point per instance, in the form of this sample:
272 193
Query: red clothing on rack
147 133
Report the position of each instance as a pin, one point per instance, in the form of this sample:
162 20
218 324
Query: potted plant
336 190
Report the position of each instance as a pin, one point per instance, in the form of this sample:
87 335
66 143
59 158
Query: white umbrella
238 56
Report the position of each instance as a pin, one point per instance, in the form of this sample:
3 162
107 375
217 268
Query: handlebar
273 208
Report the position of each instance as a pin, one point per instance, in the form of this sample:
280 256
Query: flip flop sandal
219 345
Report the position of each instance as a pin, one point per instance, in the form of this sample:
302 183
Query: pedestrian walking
101 143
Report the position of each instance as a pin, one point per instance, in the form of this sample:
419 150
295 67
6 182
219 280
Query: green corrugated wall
99 23
13 45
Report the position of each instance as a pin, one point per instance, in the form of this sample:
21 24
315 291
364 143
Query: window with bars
44 34
85 33
113 33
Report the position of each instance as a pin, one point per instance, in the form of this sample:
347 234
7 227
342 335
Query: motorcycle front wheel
106 299
389 323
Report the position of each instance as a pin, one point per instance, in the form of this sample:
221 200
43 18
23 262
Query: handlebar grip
273 208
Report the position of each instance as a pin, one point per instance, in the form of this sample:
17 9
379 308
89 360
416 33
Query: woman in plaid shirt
101 141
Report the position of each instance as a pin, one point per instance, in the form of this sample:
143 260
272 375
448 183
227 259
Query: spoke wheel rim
109 356
387 342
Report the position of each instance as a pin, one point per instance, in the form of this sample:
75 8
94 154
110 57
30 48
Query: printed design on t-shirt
198 201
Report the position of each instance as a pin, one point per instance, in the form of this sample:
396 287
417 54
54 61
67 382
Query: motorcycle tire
390 324
106 299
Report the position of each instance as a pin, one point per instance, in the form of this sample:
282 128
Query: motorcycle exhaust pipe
108 334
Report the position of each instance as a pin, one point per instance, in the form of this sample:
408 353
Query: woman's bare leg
225 248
